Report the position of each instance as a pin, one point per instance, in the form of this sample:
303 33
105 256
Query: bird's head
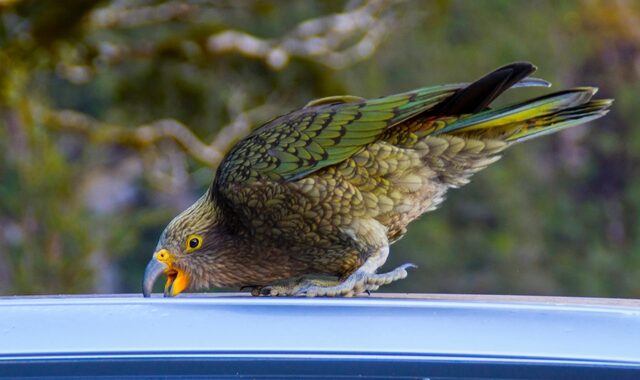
186 243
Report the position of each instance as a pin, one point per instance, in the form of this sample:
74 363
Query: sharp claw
300 291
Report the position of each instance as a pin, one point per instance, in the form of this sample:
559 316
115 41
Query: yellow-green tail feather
534 118
566 118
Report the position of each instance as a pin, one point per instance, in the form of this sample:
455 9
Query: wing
323 133
330 130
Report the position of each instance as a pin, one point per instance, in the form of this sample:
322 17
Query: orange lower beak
177 282
162 262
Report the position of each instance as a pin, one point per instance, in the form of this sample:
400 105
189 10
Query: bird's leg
370 236
375 280
292 286
363 279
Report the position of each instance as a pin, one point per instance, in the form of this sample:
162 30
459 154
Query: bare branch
165 129
135 13
337 40
324 40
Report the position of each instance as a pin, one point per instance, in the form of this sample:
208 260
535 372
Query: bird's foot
376 280
358 282
312 286
293 286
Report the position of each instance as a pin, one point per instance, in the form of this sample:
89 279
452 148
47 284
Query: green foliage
83 198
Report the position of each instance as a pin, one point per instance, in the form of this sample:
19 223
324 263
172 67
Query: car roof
471 326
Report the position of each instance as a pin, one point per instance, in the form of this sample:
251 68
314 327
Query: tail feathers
560 120
533 118
532 82
477 96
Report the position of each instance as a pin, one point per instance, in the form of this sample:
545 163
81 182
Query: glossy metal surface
58 325
526 330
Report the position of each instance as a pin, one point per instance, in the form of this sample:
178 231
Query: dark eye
193 242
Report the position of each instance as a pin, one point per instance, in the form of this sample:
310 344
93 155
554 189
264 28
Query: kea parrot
308 203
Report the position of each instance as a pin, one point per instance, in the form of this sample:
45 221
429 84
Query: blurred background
115 114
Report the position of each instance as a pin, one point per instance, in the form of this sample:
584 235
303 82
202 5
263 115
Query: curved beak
154 269
162 262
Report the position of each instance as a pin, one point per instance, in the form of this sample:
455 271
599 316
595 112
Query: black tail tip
521 67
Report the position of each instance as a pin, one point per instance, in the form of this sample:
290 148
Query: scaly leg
292 286
358 282
368 234
363 279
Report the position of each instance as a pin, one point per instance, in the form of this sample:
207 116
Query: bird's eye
193 242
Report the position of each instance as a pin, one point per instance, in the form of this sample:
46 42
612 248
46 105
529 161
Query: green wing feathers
330 130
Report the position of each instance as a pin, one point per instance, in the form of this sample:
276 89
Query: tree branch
166 129
337 40
324 40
